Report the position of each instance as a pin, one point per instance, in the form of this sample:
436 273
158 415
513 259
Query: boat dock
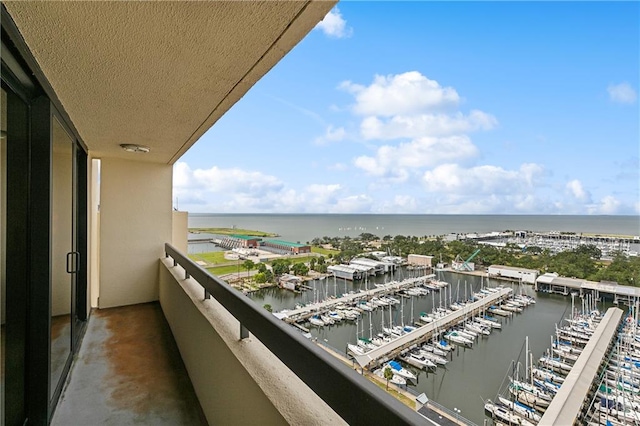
568 405
552 283
392 349
308 311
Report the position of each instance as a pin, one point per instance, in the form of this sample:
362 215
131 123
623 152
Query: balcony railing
350 395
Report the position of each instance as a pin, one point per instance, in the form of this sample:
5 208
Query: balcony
130 369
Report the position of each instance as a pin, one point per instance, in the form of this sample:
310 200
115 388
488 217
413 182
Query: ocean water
305 227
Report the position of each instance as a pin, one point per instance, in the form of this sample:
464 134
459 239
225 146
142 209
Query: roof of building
286 243
514 268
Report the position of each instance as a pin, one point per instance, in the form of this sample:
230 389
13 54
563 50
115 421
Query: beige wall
94 232
180 230
135 222
238 382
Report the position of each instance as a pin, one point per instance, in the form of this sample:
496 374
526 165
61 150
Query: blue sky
429 107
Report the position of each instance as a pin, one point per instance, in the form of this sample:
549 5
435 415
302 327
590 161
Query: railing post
186 275
244 333
207 295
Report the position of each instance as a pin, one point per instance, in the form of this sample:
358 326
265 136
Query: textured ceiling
157 73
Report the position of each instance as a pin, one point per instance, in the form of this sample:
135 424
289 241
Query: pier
568 405
393 348
326 305
552 283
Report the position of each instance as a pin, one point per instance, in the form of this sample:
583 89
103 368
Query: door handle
73 259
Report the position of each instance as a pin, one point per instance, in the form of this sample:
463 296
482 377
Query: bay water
305 227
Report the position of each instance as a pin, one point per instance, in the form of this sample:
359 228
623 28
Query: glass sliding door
63 253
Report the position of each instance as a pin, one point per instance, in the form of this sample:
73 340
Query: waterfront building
521 274
284 247
345 272
377 266
420 260
239 241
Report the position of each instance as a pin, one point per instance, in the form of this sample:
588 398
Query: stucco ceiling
157 73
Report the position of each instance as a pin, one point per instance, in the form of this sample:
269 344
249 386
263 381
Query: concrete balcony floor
128 370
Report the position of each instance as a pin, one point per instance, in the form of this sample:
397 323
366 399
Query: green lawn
298 259
323 251
234 231
213 257
223 270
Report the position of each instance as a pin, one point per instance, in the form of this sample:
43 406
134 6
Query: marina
467 368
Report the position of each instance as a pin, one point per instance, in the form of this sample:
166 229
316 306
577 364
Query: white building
420 260
525 275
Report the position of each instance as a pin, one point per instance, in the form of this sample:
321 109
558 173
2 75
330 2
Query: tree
270 309
248 265
321 260
260 278
300 268
312 263
388 374
262 268
280 266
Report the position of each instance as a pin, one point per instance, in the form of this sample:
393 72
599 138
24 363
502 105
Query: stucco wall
180 231
238 382
135 222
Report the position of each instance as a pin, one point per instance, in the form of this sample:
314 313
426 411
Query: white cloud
622 93
395 162
235 180
578 192
334 25
401 126
338 167
607 205
482 180
241 191
331 135
401 94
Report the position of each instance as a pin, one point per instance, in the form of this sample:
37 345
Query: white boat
400 370
520 409
327 319
475 329
533 395
436 359
502 413
444 345
455 337
418 361
432 348
335 316
366 306
547 375
498 311
396 379
316 320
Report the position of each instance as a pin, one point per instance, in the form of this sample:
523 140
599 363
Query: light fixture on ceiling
130 147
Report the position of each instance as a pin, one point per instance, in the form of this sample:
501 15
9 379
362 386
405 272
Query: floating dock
568 405
308 311
393 348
